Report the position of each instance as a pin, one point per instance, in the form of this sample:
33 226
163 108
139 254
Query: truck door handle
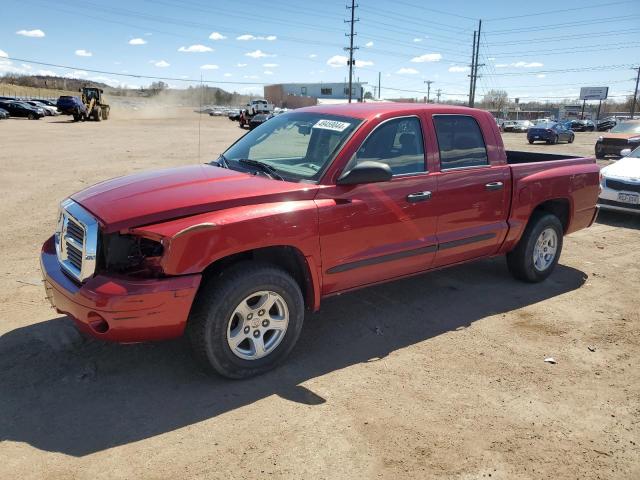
418 197
494 186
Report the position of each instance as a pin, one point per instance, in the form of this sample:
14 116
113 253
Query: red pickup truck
312 203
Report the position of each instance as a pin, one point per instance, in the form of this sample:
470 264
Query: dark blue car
551 133
68 105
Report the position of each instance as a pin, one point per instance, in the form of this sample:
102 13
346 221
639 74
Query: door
377 231
473 193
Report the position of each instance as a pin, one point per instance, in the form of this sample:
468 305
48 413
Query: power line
578 23
548 12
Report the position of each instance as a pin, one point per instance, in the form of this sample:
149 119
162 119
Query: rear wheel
31 116
246 321
530 141
537 253
599 152
571 138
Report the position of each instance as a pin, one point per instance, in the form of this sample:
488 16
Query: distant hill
54 83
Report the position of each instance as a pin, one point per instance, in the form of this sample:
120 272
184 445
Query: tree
156 87
368 96
496 100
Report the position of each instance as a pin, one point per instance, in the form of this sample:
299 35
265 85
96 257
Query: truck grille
621 185
76 241
613 203
615 142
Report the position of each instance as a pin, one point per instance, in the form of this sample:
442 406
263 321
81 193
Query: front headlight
132 255
634 139
600 138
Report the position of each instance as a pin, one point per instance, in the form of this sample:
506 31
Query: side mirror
366 172
625 153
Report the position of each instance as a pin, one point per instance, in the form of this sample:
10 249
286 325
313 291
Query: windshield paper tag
331 125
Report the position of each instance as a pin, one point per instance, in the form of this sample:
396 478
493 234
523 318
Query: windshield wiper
221 162
265 167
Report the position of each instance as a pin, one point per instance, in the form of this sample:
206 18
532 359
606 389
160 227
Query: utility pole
351 48
475 72
428 82
438 92
379 89
473 64
635 95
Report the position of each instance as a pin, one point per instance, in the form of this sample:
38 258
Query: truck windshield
627 127
298 145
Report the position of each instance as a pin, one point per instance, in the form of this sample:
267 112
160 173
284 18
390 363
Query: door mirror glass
366 172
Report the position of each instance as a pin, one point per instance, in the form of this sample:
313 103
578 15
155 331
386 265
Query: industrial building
293 95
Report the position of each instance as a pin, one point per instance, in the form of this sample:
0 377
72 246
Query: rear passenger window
460 142
398 143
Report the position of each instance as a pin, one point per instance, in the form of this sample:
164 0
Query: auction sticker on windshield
332 125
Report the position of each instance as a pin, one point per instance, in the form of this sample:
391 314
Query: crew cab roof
371 110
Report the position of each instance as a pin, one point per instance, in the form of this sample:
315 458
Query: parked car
551 133
234 115
45 109
20 109
258 120
315 202
620 184
3 114
623 135
522 126
216 113
49 109
606 124
70 105
507 125
580 125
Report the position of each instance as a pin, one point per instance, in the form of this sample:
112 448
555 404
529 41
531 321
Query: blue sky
246 44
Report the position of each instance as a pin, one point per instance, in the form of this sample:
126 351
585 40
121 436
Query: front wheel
31 116
247 320
571 139
530 141
536 254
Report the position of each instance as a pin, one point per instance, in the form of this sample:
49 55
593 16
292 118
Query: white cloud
216 36
37 33
209 66
417 40
47 73
241 65
491 59
162 64
268 72
137 41
83 53
407 71
338 61
541 75
520 65
458 69
313 55
427 57
251 77
76 74
258 54
368 44
228 75
195 49
270 65
248 36
3 54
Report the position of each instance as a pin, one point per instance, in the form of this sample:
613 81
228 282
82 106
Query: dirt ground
438 376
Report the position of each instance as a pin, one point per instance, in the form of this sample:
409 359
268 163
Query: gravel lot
440 375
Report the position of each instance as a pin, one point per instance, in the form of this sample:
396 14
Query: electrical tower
438 93
351 62
475 52
428 82
635 95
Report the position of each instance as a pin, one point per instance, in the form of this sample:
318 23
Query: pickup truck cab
312 203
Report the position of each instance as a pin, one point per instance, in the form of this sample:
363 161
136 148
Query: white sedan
620 184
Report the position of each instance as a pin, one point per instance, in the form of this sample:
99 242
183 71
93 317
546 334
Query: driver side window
397 143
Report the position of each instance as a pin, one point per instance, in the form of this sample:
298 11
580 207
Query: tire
31 116
105 114
213 319
571 138
599 154
555 140
530 142
521 259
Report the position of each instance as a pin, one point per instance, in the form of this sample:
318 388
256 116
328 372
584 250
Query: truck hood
623 136
158 196
626 168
